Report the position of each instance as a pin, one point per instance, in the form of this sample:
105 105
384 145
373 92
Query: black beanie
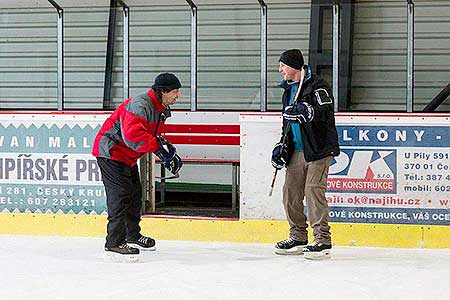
166 81
292 58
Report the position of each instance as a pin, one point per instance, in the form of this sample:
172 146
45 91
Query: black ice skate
290 247
121 253
317 251
143 243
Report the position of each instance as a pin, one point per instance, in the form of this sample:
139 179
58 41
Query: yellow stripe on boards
244 231
52 224
436 236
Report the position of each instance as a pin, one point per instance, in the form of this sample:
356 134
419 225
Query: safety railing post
60 55
336 54
193 99
410 58
263 56
126 49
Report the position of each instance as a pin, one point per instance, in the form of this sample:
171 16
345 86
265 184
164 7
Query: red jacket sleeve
135 133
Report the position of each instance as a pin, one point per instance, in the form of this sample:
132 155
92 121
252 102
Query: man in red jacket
131 131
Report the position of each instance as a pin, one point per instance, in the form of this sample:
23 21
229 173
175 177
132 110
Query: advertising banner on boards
392 169
391 174
46 165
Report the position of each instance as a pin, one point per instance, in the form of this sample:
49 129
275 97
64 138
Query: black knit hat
292 58
166 81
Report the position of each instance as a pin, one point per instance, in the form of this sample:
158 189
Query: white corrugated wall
228 51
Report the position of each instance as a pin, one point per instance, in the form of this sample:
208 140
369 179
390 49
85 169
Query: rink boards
389 186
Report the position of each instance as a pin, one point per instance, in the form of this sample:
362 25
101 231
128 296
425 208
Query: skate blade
142 248
120 258
298 250
325 254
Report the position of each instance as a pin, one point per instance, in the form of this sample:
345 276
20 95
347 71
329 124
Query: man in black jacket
308 144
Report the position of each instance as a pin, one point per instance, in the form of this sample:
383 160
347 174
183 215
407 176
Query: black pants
123 200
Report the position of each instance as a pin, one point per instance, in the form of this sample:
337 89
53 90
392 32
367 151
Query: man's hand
174 165
167 153
279 156
301 112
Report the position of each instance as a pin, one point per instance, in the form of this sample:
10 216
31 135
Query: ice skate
290 246
122 253
317 251
143 243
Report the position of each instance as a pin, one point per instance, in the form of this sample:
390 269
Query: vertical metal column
107 86
145 170
234 186
162 185
336 55
151 181
126 49
315 37
193 55
60 55
410 58
263 54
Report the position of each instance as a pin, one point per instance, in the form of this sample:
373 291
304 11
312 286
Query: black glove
167 153
301 112
174 165
279 156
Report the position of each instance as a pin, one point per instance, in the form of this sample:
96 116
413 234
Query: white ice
73 268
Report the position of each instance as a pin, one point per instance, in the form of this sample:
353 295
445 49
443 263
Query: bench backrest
204 135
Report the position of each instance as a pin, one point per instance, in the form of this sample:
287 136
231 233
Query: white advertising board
46 165
393 168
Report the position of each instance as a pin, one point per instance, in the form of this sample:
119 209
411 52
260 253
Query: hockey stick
283 141
286 129
168 177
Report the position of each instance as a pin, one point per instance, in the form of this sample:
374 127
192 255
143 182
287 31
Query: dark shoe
317 251
123 249
121 253
143 242
290 246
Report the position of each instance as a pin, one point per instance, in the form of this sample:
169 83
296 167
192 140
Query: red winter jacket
130 131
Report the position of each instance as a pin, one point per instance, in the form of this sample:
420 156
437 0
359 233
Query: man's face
288 72
170 97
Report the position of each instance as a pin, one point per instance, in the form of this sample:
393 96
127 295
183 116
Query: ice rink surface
73 268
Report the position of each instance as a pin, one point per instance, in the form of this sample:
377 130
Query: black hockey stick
283 142
168 177
286 129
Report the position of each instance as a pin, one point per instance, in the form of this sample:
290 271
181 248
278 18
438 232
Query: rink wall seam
244 231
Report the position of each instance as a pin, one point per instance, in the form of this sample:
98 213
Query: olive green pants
307 179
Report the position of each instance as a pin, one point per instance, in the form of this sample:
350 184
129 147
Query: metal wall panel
28 64
432 51
379 58
228 51
27 58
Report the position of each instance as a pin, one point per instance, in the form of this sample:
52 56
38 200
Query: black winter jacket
319 137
